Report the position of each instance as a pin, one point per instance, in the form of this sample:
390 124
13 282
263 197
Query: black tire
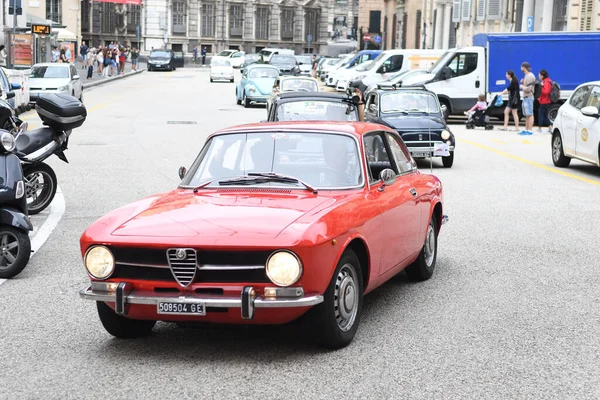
335 325
448 161
423 267
238 101
121 327
15 250
558 155
211 80
245 101
81 96
489 127
470 126
231 80
37 202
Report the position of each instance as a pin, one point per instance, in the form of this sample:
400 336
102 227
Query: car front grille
201 266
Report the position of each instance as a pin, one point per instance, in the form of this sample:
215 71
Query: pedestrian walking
122 60
514 97
83 50
134 58
314 66
106 72
203 54
100 60
67 54
3 56
544 100
63 56
195 53
527 86
91 59
55 54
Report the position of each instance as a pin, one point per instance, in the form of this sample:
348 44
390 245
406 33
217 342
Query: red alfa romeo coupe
272 221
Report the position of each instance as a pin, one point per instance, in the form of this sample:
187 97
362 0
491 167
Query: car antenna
430 144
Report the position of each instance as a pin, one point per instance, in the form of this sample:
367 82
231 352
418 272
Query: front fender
14 217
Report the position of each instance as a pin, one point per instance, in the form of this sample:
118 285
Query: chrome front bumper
122 293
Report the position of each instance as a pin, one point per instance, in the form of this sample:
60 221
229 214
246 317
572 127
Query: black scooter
8 120
15 246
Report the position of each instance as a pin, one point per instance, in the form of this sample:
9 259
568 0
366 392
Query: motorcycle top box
61 112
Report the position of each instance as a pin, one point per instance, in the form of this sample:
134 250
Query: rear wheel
423 267
40 187
122 327
448 161
15 250
558 156
553 113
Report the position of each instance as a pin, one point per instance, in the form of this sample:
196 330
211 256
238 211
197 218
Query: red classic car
272 220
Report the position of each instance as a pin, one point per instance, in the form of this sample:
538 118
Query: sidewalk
96 77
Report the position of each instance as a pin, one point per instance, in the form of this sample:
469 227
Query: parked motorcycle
15 246
8 119
61 114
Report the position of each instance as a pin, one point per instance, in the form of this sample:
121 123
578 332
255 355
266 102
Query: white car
331 79
345 76
54 78
576 130
221 70
236 58
328 66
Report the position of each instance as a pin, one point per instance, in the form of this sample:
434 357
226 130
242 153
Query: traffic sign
366 37
309 38
530 23
377 39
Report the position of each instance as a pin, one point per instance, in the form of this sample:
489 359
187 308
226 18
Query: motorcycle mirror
22 128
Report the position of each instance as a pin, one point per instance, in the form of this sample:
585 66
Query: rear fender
14 217
61 155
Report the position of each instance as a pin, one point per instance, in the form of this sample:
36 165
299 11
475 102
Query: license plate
421 154
181 308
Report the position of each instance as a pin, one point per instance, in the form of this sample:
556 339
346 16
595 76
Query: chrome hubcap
346 298
430 246
556 148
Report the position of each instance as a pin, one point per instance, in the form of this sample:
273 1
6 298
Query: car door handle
413 192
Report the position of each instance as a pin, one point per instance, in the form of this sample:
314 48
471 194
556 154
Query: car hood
264 85
216 216
48 83
411 123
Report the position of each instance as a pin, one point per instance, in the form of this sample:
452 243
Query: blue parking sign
377 39
530 23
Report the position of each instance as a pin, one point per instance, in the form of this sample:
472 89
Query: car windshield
256 73
410 102
363 67
296 85
304 59
283 60
265 53
333 61
405 75
225 53
160 54
325 161
49 72
220 63
441 62
316 110
251 58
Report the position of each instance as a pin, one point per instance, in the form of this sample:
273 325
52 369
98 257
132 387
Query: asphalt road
512 310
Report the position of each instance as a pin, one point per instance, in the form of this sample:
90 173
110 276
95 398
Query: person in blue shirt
195 54
83 50
203 53
68 54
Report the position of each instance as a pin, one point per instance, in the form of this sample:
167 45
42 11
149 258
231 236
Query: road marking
97 107
532 163
498 141
526 141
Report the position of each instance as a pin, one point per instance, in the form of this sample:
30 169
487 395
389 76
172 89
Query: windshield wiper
396 111
263 177
202 186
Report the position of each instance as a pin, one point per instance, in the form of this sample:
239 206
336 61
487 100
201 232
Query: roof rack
394 86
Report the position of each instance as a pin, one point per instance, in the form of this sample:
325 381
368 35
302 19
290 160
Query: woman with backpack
514 98
545 101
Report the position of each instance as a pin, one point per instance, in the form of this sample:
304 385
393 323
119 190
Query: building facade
377 18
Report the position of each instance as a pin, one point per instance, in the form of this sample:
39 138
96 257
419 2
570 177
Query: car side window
372 101
400 153
392 64
463 64
594 98
376 155
579 98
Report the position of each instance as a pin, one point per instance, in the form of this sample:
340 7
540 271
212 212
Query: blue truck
462 74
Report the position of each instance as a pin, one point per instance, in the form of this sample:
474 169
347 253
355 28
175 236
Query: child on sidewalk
481 105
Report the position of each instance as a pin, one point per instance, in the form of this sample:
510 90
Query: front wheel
558 155
40 187
448 161
337 318
246 101
423 267
15 250
121 327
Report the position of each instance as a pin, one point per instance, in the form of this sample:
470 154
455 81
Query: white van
267 52
392 62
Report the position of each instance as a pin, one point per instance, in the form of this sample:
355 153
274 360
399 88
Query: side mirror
444 111
446 73
22 128
10 95
590 111
387 176
15 86
76 77
373 107
182 172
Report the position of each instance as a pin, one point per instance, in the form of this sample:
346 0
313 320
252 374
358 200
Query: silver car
54 78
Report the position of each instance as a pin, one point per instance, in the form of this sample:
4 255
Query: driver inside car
342 170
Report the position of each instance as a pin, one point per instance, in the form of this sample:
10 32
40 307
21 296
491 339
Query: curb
116 78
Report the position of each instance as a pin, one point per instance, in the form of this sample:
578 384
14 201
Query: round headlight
445 134
99 262
284 268
8 141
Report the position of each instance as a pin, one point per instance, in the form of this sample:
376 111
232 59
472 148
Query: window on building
208 20
178 16
108 17
236 13
85 15
374 21
133 18
418 30
404 31
518 16
587 15
53 10
559 15
311 23
262 23
287 24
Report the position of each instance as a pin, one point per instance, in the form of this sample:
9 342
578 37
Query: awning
63 35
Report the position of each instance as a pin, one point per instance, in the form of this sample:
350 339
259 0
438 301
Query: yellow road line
97 107
498 141
526 142
532 163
